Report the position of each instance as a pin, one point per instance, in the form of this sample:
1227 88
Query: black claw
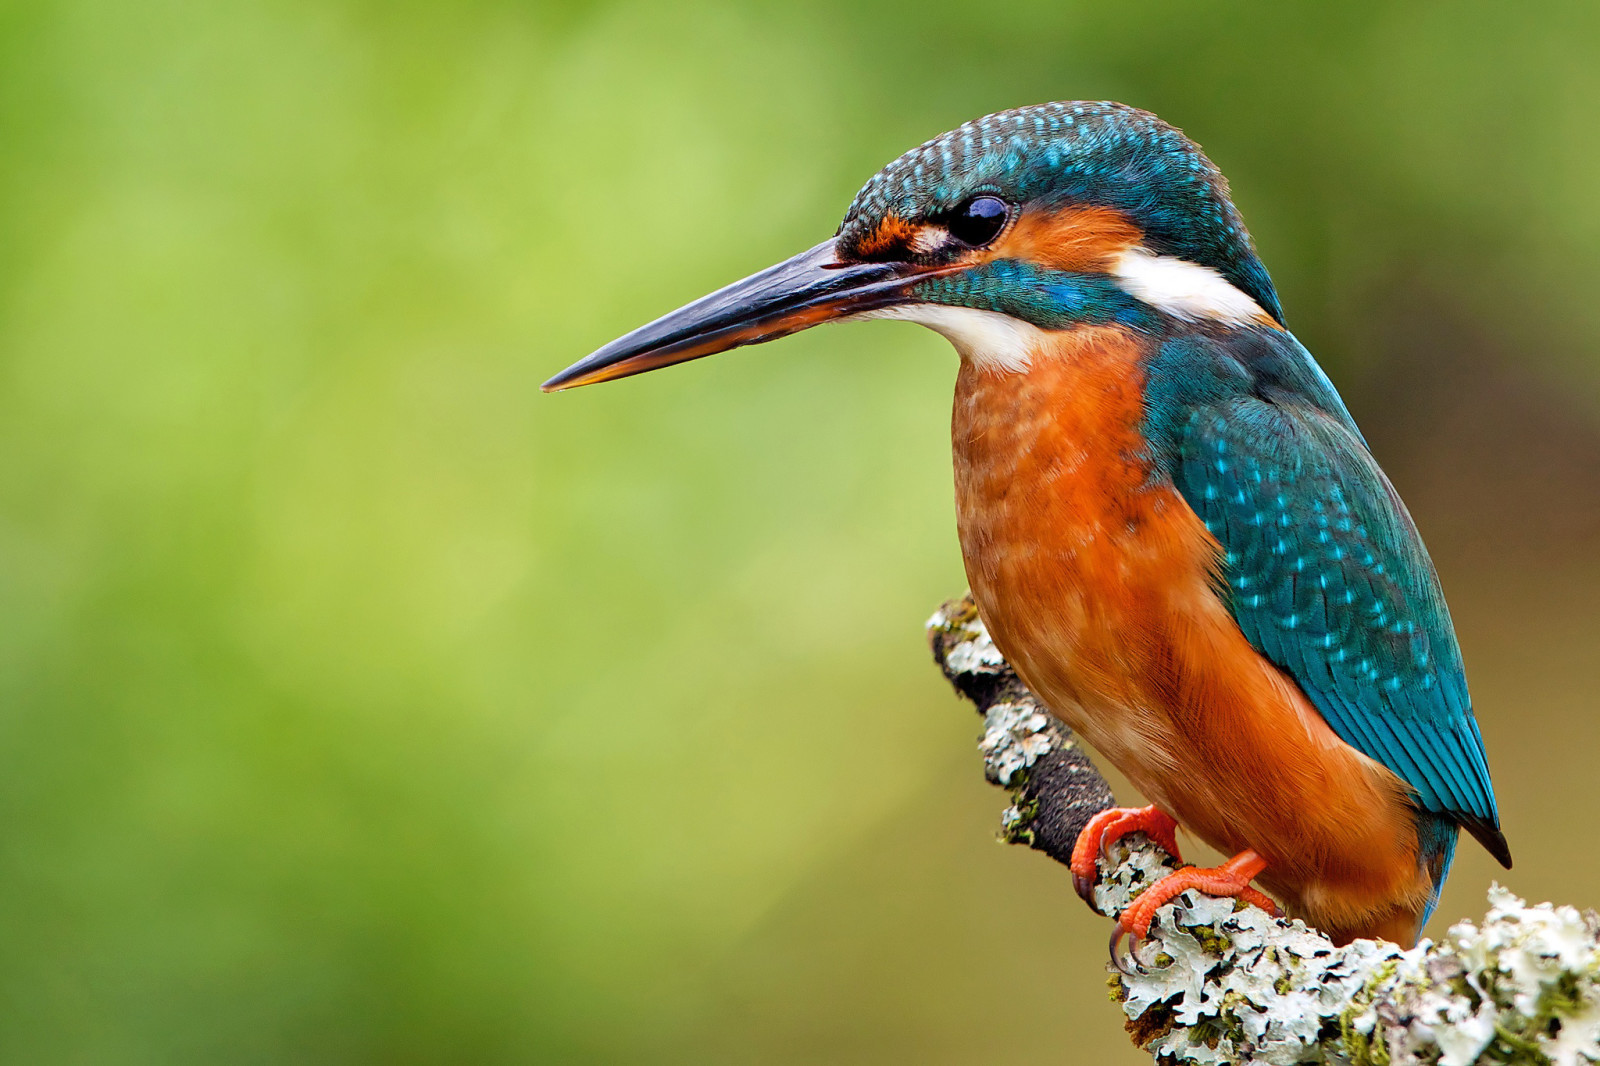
1084 887
1117 933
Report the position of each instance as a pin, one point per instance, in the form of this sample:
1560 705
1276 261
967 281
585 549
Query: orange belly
1097 582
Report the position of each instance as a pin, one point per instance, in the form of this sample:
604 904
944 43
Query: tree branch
1221 982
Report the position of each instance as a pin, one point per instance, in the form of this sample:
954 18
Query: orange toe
1109 826
1232 878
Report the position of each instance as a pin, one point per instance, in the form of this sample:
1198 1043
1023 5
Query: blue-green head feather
1059 155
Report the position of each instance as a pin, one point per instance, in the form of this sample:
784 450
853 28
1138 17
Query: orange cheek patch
892 234
1079 239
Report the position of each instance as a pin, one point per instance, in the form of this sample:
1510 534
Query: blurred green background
360 704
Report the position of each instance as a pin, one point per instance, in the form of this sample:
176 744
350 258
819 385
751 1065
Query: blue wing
1324 570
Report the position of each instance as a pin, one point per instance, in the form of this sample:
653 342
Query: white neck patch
987 339
993 341
1181 288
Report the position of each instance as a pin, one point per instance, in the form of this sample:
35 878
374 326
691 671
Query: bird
1171 525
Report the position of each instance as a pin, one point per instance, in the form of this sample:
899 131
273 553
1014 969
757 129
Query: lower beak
812 288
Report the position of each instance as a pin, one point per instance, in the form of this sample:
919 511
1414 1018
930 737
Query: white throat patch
987 339
1181 288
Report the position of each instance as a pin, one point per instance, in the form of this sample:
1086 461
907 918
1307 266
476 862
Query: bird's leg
1109 826
1232 878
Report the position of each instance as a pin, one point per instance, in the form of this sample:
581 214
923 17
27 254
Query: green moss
1360 1048
1520 1046
1515 1049
958 614
1021 830
1564 999
1213 942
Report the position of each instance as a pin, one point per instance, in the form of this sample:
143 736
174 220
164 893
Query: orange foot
1232 878
1109 826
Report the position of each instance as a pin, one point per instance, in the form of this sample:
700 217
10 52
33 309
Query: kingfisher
1172 527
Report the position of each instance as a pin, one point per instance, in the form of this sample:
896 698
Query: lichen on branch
1221 982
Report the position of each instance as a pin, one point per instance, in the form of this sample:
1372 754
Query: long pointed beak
812 288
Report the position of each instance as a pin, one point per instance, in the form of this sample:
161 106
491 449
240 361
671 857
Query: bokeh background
360 704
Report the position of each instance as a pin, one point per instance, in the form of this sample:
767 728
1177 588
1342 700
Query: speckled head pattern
1065 154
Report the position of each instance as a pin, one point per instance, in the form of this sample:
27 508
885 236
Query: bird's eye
978 220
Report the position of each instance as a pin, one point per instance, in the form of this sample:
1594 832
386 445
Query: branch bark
1224 983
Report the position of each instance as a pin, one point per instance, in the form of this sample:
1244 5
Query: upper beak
798 293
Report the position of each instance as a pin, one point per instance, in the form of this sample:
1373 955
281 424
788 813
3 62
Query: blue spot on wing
1329 580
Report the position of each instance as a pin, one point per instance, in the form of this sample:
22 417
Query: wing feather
1327 577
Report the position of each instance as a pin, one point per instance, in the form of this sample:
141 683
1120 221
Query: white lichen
975 652
1220 982
1015 735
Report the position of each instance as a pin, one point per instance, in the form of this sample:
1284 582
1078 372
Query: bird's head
1037 219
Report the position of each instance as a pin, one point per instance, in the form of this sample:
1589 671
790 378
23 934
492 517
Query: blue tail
1436 850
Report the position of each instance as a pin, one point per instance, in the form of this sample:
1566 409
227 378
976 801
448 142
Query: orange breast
1096 581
